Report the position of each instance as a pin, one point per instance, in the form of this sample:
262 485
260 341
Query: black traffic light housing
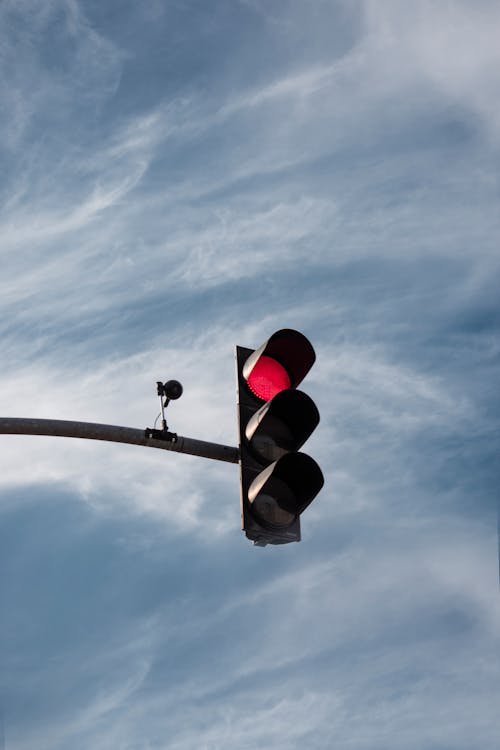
275 420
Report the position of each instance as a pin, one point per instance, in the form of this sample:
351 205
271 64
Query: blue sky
179 177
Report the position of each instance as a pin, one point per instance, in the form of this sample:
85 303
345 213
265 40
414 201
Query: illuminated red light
268 378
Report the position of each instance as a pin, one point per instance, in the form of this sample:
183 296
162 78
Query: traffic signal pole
117 434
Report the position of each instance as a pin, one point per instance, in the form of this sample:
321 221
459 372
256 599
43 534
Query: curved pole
116 434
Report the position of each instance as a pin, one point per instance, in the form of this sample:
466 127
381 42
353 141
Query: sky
178 177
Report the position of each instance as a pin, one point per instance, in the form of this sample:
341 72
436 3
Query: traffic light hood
283 424
292 482
289 348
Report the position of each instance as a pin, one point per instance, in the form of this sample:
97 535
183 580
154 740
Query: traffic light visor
281 362
282 425
285 488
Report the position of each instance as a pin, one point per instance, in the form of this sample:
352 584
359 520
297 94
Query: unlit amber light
268 378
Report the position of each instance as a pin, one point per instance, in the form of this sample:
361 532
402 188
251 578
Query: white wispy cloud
86 73
452 45
362 622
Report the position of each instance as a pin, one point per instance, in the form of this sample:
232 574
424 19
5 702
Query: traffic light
275 420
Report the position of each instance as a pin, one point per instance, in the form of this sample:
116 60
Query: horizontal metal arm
115 434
